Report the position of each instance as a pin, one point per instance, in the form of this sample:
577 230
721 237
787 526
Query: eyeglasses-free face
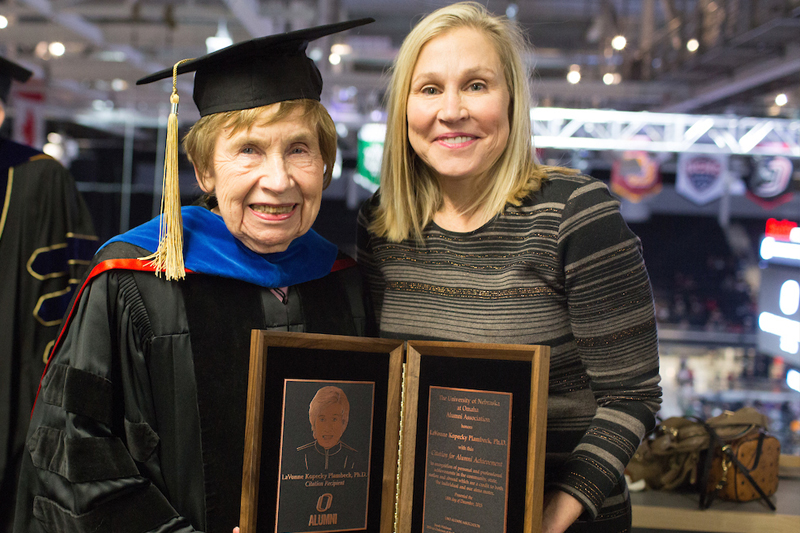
458 106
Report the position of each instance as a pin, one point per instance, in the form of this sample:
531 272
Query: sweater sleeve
613 321
369 267
89 439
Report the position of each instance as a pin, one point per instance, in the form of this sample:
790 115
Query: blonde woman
470 239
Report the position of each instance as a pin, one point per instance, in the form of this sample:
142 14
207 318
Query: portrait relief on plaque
326 441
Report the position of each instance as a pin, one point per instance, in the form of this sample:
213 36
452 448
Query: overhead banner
769 184
701 177
635 176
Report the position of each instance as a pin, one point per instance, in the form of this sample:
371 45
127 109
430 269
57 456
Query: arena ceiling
748 51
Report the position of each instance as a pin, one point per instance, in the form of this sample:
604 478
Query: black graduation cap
11 71
257 72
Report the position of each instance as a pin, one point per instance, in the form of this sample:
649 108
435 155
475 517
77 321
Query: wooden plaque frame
398 490
261 342
539 359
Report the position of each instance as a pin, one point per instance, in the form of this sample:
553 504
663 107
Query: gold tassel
168 258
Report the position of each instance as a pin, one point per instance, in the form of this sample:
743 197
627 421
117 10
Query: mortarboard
11 71
257 72
245 75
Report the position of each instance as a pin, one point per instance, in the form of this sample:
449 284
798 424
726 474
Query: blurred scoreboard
778 331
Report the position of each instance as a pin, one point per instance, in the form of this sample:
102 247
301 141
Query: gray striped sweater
563 270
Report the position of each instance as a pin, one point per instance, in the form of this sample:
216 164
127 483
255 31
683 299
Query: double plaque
356 434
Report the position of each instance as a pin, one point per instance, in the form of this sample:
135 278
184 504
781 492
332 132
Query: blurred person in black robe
46 242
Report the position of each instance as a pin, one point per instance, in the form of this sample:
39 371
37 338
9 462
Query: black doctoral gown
46 242
139 424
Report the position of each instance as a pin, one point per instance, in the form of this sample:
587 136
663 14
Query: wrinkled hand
560 511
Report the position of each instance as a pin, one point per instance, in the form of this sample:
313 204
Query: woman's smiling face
329 425
268 181
458 105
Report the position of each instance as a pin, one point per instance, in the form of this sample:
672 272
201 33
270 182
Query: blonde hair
202 137
410 193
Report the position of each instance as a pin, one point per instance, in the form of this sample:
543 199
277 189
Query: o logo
324 502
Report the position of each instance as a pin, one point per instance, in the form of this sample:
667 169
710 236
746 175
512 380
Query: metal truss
593 129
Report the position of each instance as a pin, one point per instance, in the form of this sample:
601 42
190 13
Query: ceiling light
335 59
692 45
341 49
619 42
789 300
56 151
41 50
793 379
118 84
512 10
220 40
102 105
3 22
115 56
574 76
608 78
781 99
57 49
315 54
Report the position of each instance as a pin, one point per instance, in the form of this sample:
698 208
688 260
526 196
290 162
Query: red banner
635 176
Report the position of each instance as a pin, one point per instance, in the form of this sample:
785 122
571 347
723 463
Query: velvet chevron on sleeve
563 270
46 243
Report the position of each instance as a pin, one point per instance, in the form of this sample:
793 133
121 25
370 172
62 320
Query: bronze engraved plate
323 482
321 438
455 458
467 460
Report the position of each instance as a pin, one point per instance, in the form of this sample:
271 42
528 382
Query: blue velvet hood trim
209 248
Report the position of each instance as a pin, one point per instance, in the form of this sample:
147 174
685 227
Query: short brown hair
202 137
326 396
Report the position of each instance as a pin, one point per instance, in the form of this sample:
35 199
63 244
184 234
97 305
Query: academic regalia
46 242
152 375
139 423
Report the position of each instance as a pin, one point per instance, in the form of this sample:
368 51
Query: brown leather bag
742 461
730 456
757 452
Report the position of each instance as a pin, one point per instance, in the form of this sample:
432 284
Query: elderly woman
469 239
139 424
